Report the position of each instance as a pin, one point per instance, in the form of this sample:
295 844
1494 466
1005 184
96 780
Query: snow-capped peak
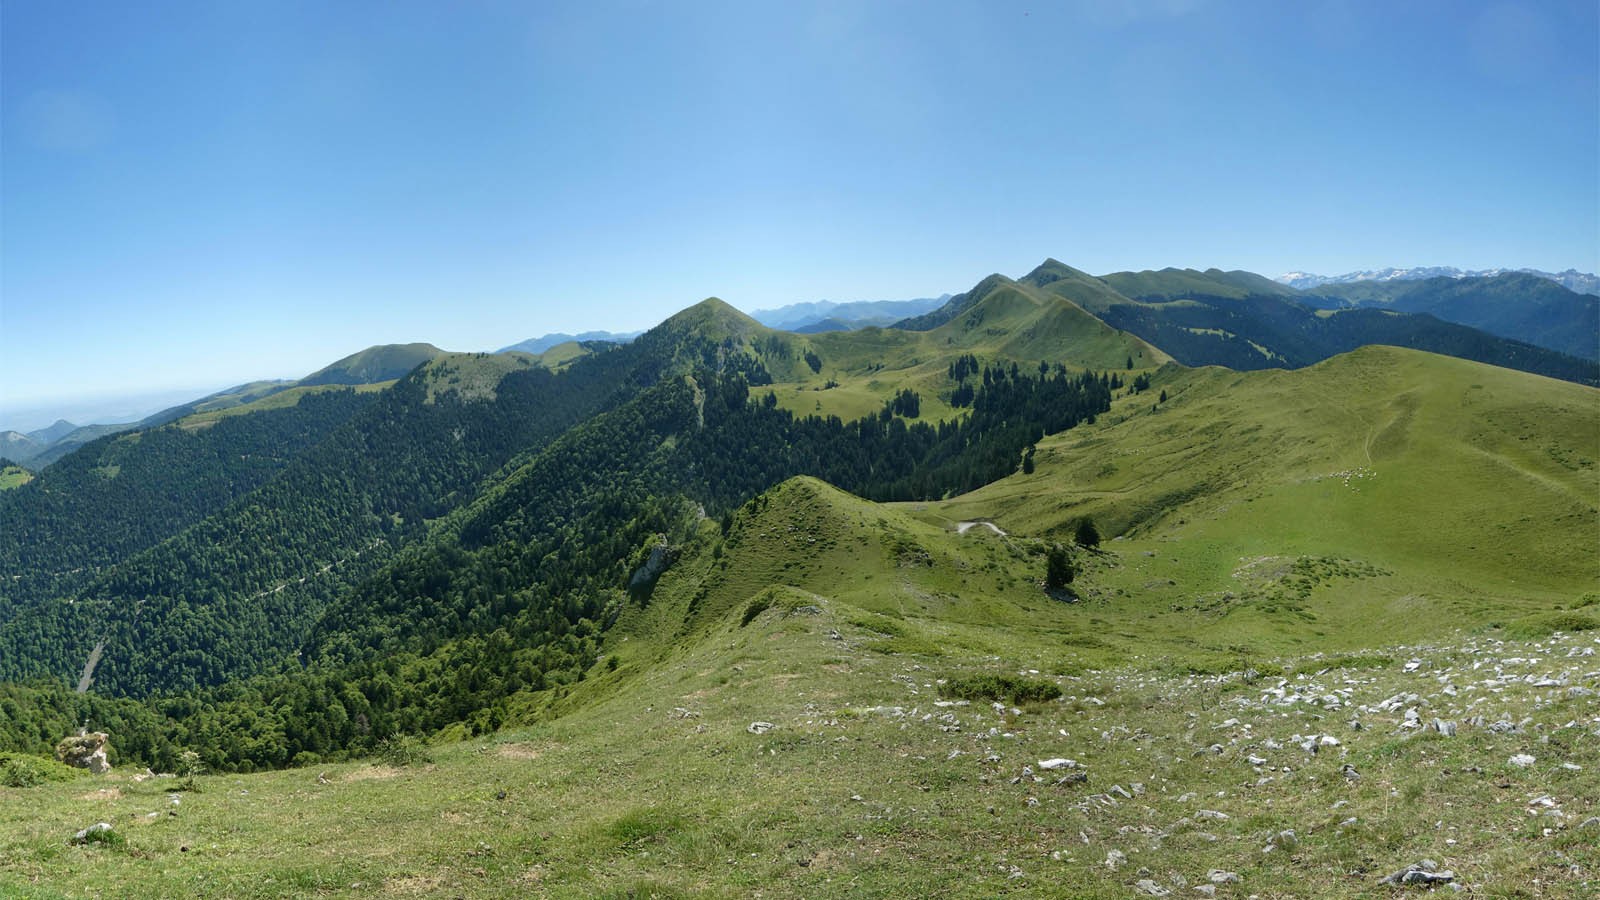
1571 279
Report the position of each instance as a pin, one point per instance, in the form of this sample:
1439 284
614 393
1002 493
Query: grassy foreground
871 784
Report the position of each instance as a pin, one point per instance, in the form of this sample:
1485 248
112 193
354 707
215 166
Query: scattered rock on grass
86 835
1426 872
760 727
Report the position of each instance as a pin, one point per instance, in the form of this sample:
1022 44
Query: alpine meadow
575 450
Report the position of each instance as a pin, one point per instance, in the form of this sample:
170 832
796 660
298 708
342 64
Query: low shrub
403 750
1546 624
1009 688
18 770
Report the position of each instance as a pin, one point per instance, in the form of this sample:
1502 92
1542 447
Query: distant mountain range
1534 321
818 316
1244 321
1571 279
811 317
556 339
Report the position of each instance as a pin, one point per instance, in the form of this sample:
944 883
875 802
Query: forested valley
443 613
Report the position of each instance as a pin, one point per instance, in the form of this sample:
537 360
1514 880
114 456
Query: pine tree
1087 535
1059 571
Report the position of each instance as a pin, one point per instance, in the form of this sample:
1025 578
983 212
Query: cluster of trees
745 449
1060 568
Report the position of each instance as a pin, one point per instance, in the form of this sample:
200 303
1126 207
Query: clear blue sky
198 194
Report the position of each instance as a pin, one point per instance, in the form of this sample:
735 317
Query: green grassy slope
12 476
1170 284
277 400
384 362
1244 321
1009 322
1476 489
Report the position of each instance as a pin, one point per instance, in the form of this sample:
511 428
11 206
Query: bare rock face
86 751
660 558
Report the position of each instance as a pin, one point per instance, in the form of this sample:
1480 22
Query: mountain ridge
1571 279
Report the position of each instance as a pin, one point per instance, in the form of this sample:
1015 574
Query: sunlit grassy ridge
278 400
1474 490
1006 321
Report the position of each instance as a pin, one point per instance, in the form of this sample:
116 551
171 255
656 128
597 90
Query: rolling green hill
999 320
1176 284
1473 490
384 362
250 576
123 494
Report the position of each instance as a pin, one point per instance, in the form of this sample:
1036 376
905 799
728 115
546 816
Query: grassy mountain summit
1174 284
384 362
998 320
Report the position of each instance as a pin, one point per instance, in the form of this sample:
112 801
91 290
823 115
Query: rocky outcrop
655 564
86 751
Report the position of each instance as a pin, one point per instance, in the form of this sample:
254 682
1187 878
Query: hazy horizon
201 195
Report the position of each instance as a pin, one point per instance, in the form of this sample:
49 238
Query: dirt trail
962 527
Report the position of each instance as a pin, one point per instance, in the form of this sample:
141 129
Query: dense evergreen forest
123 494
511 593
228 595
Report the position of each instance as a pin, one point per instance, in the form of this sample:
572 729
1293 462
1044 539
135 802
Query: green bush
759 605
19 770
402 751
1539 626
1010 688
